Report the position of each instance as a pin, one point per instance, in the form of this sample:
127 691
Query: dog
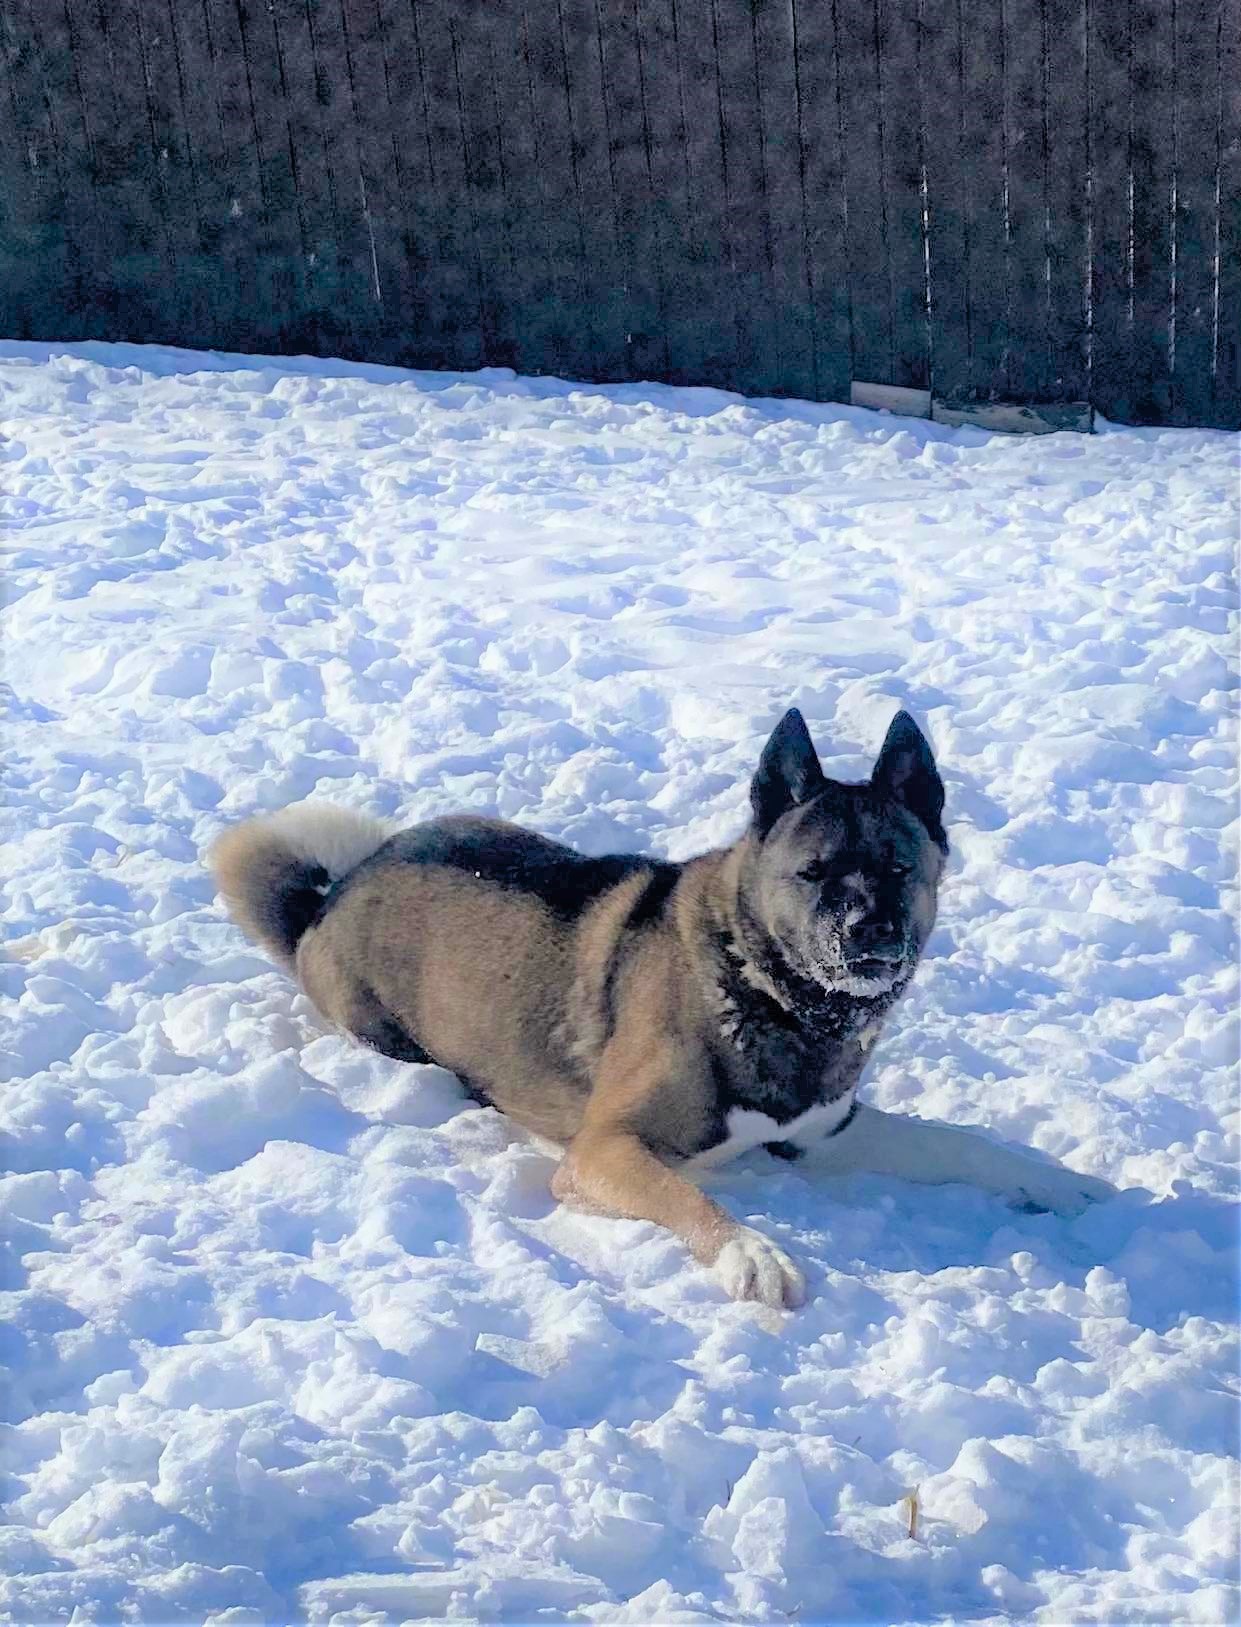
649 1018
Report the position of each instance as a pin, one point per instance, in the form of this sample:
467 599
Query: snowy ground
294 1331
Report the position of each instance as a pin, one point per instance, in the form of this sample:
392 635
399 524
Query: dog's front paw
750 1266
1062 1191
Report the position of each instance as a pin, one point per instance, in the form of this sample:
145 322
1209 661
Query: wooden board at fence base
1013 418
1031 201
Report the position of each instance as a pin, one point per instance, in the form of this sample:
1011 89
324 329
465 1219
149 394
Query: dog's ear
788 771
906 771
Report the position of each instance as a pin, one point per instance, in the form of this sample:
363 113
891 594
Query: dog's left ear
906 771
789 771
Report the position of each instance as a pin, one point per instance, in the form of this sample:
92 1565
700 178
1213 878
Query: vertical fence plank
749 230
622 85
710 320
604 269
1195 112
823 160
1226 324
1025 127
779 103
97 229
159 228
46 28
1152 103
862 122
482 33
681 285
569 333
215 273
380 157
337 96
280 235
901 46
34 249
1067 242
320 323
177 173
459 265
1111 220
985 200
243 224
946 201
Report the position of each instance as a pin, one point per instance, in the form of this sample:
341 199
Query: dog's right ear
789 772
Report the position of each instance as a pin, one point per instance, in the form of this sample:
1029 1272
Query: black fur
647 909
567 883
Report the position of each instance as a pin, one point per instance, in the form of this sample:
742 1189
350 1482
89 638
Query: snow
294 1332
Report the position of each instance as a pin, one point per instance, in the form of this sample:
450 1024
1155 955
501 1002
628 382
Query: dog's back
465 941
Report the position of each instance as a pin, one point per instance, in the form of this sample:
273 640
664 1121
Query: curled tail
273 872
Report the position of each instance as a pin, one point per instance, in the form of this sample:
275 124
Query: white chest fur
747 1129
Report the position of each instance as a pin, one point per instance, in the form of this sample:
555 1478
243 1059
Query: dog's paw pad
750 1266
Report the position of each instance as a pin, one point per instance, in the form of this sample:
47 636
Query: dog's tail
273 872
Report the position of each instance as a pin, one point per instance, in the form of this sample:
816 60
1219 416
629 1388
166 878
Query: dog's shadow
1174 1257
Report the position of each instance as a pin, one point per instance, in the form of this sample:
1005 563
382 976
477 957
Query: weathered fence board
990 202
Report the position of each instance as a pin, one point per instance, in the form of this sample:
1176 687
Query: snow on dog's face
844 877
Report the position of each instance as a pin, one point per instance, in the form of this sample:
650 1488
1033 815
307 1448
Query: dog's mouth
873 966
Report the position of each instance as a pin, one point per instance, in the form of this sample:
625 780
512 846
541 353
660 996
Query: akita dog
649 1018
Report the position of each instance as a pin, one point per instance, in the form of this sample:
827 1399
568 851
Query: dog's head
844 877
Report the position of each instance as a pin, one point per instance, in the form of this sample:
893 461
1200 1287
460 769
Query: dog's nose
876 940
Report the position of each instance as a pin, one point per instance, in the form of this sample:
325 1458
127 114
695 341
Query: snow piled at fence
292 1331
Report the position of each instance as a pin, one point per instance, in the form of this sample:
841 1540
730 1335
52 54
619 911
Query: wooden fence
988 200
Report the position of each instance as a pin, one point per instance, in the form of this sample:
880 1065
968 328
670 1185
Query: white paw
750 1266
1062 1191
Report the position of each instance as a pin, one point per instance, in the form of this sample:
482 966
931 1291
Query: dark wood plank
96 228
152 219
682 285
483 32
1227 320
946 202
823 164
204 155
424 339
646 348
458 265
984 199
280 238
1111 337
569 330
1025 128
604 260
779 101
380 163
703 345
140 276
1152 103
337 95
749 226
861 100
191 300
257 318
526 341
1195 114
34 257
1068 246
901 72
46 29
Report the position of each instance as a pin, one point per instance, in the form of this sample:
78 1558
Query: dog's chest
746 1128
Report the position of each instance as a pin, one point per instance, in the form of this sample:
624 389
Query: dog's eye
817 871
